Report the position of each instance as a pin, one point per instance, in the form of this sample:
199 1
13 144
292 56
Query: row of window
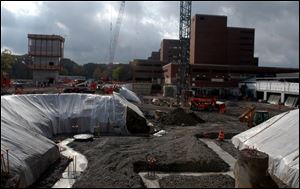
45 43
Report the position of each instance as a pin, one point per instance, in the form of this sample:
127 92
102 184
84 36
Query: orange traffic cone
221 135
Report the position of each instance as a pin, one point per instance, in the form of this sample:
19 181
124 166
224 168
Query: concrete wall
142 88
44 76
170 73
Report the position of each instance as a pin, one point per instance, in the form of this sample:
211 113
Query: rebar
7 161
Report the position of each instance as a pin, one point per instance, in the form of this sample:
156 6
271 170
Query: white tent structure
279 138
28 121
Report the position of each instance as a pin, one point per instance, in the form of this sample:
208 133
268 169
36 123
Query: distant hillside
19 69
93 70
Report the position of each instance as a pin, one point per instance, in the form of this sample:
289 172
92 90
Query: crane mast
184 38
114 40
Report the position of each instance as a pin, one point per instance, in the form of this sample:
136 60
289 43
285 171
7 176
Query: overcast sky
86 27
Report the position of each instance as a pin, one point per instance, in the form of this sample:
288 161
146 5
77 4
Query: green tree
63 72
116 73
7 60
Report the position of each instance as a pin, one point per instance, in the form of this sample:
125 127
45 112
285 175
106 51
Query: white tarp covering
129 95
27 121
279 138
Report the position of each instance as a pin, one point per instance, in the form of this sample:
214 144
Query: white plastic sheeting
279 138
28 120
129 95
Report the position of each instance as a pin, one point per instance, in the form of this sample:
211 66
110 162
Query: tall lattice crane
114 40
184 38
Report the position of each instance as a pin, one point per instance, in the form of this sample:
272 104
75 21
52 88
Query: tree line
16 67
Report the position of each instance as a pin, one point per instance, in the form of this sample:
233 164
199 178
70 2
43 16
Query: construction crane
114 40
184 38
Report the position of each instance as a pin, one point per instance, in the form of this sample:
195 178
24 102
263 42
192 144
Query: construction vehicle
5 84
206 103
254 117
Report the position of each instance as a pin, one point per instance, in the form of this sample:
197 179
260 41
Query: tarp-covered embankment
279 138
27 121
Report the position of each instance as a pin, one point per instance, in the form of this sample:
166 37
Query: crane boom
116 33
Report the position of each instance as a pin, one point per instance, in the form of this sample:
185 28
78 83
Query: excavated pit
209 181
195 166
52 174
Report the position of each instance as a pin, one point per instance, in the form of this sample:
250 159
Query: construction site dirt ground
115 161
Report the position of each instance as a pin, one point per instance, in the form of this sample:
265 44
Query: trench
195 169
75 167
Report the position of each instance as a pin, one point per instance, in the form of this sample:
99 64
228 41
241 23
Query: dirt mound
179 117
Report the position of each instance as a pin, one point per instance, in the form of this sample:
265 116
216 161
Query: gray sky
86 27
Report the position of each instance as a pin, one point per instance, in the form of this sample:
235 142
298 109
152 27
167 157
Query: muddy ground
211 181
115 161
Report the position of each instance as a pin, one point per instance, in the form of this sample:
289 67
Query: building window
51 63
201 18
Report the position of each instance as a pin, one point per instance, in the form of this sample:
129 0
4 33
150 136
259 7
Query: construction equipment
253 117
206 103
184 38
5 81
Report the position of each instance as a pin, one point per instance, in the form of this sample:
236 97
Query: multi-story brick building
146 71
169 51
220 57
150 70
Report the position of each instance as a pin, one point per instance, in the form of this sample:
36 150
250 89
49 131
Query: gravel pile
180 117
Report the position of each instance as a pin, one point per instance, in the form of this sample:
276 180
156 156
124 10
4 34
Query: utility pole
184 38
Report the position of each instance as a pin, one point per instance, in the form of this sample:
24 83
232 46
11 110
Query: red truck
206 103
